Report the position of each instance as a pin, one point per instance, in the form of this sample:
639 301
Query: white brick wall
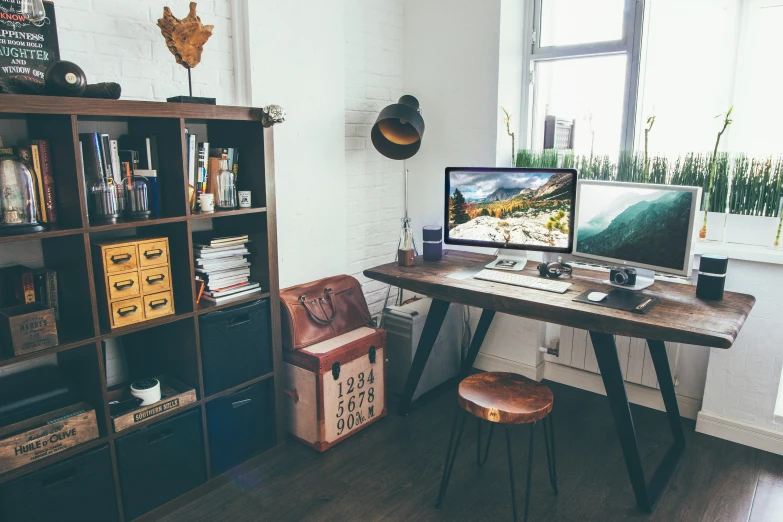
373 79
119 41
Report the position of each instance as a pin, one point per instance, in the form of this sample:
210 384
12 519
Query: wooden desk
679 317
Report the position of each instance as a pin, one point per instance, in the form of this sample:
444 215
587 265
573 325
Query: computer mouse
596 297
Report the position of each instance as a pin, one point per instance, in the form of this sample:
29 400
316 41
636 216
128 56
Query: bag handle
324 321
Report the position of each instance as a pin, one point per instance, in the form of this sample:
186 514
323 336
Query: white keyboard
512 278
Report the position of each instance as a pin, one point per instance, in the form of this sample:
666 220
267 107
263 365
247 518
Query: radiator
576 351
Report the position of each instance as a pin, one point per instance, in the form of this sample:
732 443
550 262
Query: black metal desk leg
478 339
609 364
429 334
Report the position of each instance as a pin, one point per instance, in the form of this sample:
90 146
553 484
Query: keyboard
512 278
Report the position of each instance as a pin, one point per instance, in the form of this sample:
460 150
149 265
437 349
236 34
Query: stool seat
505 398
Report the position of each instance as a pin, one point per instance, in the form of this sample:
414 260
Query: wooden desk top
679 317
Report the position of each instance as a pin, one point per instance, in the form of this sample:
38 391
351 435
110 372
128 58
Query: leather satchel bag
317 311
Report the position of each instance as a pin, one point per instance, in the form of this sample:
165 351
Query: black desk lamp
397 135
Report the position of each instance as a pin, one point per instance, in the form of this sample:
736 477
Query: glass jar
136 197
19 209
104 201
226 185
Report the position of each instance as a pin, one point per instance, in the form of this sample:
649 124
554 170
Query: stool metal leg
451 456
479 461
549 440
529 471
511 475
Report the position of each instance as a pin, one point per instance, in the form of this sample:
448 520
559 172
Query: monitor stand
644 279
508 259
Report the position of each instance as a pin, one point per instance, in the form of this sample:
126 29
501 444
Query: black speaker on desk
432 237
712 277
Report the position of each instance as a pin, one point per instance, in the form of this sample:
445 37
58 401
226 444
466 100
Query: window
582 74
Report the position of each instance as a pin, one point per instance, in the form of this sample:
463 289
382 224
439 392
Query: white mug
244 199
207 202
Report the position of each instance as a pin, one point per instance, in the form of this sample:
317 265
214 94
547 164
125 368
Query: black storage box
240 425
30 393
80 489
160 462
235 345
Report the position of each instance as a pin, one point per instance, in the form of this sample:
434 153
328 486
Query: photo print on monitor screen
518 208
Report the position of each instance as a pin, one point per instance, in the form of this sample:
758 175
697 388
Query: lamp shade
398 130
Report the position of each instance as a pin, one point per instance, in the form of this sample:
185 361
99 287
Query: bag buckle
302 299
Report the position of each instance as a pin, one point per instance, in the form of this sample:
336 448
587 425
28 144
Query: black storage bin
160 462
235 345
240 425
80 489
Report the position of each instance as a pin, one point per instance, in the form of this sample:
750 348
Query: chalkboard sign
26 47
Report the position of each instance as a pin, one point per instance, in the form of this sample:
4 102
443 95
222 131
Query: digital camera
621 275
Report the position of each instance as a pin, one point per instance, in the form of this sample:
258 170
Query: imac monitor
514 210
647 226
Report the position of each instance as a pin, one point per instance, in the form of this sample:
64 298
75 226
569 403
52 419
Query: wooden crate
27 328
335 388
174 395
45 435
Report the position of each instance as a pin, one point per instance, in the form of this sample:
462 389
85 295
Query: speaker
432 237
712 277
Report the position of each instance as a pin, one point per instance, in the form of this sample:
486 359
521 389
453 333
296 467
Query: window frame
533 53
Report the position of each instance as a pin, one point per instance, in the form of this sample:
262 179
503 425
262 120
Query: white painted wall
297 61
374 55
119 41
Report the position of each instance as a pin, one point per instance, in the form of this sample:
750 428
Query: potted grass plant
693 170
754 204
713 171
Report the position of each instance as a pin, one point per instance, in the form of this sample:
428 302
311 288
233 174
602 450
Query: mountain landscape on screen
511 207
650 227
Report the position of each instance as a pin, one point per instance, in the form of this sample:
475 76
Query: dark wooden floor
392 469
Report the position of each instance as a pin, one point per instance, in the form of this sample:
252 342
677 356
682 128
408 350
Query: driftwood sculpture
185 38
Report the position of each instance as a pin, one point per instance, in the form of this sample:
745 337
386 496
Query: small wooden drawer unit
133 280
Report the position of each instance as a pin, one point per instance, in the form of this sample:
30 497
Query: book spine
39 282
51 287
47 174
84 177
28 287
36 154
115 159
106 157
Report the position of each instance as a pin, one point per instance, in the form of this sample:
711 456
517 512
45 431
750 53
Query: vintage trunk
336 387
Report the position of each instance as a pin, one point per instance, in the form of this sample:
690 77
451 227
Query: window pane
568 22
586 91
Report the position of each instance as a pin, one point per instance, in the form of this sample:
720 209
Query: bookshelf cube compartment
166 350
159 142
57 182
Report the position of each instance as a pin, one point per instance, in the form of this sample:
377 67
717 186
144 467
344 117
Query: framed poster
26 47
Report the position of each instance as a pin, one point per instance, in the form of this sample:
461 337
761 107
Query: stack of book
222 268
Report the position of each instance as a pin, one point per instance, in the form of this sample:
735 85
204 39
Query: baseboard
493 363
740 432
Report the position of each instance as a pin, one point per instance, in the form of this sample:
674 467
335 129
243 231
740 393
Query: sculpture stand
191 98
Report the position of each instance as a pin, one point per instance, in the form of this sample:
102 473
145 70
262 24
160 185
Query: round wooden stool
502 398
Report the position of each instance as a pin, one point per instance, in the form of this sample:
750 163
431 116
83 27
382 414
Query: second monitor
514 210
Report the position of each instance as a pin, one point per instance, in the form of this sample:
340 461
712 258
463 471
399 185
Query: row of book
39 155
222 268
23 285
204 164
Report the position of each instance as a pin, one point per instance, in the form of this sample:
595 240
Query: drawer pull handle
159 436
152 254
120 258
239 320
122 312
157 304
59 477
241 403
122 285
155 279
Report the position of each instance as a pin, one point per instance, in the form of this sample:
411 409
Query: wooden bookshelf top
24 104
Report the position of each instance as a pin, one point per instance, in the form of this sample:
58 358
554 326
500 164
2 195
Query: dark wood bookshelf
66 248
